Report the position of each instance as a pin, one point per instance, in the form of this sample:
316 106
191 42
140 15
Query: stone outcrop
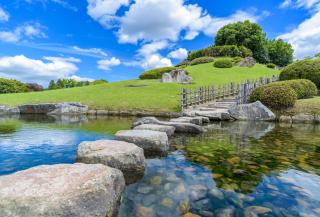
169 130
54 109
247 62
6 110
150 141
124 156
176 76
252 112
73 190
180 127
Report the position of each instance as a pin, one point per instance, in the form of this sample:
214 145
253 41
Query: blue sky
115 40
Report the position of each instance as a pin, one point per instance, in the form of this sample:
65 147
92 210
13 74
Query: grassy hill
149 95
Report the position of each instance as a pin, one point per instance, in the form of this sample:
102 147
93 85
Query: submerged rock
252 112
169 130
73 190
124 156
150 141
253 211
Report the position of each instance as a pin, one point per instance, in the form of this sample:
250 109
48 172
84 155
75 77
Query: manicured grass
307 106
154 96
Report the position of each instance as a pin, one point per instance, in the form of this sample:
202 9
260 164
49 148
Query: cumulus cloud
104 11
106 64
4 15
37 70
305 38
179 54
25 31
78 78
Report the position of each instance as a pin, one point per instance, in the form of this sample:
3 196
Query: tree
52 85
245 34
60 84
280 52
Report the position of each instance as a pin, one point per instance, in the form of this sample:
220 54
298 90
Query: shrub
183 64
221 51
99 81
306 69
271 65
236 60
279 97
201 60
156 73
12 86
302 87
34 87
223 63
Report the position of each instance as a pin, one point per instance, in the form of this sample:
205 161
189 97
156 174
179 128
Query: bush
302 87
156 73
99 81
236 60
279 97
223 63
221 51
34 87
183 64
271 65
305 69
201 60
12 86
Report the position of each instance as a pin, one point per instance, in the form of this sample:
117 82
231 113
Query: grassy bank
150 95
307 106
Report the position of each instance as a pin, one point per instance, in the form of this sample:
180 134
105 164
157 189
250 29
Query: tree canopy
280 52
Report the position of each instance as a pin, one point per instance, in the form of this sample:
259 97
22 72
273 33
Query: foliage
34 87
221 51
201 60
52 85
183 64
280 52
236 60
67 83
9 126
279 97
302 87
306 69
12 86
271 65
223 63
156 73
100 81
245 34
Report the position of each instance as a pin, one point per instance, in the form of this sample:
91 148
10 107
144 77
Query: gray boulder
193 120
150 141
176 76
54 109
252 112
180 127
217 115
169 130
303 118
63 190
247 62
166 78
6 110
124 156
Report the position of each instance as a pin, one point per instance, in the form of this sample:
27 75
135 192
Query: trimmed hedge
221 51
223 63
183 64
156 73
278 97
201 60
12 86
302 87
306 69
271 65
236 60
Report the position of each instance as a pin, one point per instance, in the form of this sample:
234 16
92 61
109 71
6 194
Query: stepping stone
194 120
180 127
124 156
150 141
218 115
71 190
169 130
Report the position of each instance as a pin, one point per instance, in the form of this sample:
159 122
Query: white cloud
4 16
152 48
305 38
94 51
78 78
313 5
106 64
36 70
25 31
104 11
63 3
179 54
155 61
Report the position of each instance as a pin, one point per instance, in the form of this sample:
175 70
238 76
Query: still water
234 169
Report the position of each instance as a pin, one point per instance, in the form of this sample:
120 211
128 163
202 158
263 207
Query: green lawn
155 96
307 106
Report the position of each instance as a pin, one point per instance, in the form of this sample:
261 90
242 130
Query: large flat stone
6 110
124 156
169 130
54 108
217 115
193 120
150 141
180 127
63 190
252 112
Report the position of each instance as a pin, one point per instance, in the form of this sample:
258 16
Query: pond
234 169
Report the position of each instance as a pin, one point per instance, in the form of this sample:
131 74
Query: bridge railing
204 94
